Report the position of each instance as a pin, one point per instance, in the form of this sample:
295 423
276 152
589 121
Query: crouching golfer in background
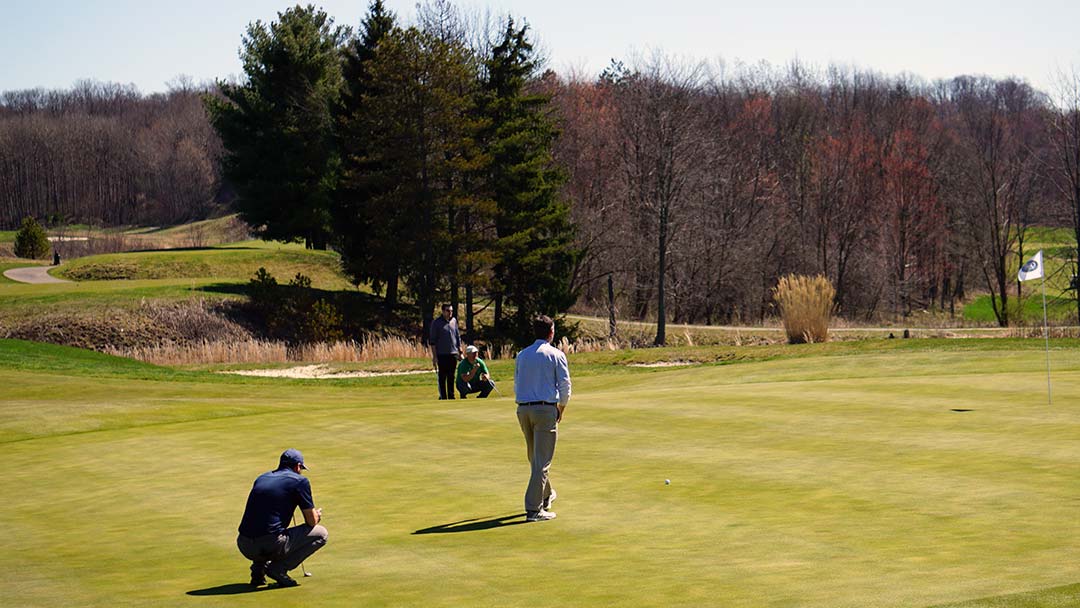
473 375
265 537
541 389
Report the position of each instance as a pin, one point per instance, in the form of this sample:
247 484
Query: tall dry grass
805 307
268 351
587 345
367 349
207 351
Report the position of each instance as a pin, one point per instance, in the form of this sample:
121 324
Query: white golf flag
1033 269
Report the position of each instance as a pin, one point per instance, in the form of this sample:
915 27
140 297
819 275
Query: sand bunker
319 372
664 364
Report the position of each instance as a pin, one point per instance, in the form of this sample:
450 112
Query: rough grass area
817 476
195 234
20 299
1059 311
593 332
74 241
1059 250
1059 254
213 348
147 322
236 262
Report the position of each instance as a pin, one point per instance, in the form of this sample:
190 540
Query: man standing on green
473 375
541 389
445 349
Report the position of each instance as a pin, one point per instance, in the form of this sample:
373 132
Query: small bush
31 240
805 307
292 312
322 323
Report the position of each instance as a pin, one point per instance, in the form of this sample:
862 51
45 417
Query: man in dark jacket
445 350
265 537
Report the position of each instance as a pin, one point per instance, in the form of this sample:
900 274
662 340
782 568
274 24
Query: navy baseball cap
292 457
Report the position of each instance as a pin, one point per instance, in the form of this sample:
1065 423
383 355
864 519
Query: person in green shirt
473 375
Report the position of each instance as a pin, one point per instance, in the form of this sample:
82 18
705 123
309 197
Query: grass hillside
235 263
124 280
900 473
177 296
1059 251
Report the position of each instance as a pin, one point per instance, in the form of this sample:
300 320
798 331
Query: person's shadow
230 589
475 524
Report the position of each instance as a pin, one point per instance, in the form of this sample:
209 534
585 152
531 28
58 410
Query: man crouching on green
265 537
473 375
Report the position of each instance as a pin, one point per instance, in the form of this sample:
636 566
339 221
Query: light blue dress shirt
541 374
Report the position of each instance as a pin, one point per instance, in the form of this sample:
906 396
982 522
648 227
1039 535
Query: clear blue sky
53 43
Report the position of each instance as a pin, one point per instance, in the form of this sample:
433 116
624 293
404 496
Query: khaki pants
538 424
284 551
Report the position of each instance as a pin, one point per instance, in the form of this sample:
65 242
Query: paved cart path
32 274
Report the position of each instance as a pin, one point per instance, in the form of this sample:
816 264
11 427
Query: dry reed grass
805 307
1037 332
587 345
207 351
367 349
268 351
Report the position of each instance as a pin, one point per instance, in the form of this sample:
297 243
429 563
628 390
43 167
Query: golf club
302 568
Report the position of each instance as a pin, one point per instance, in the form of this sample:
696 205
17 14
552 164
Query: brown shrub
805 307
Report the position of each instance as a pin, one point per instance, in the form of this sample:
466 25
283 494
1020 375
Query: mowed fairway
820 479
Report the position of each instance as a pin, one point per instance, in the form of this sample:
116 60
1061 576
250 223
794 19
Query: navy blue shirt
444 336
272 500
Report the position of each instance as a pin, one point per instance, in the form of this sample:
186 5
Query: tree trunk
612 329
391 292
469 334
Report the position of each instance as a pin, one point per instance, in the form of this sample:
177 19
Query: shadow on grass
230 589
236 289
1054 597
475 524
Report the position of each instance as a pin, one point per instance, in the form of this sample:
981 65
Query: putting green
926 476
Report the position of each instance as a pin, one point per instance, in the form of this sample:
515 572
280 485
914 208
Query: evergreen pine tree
364 233
31 240
415 124
277 127
534 250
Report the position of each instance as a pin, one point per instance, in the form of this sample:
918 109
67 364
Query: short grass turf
928 474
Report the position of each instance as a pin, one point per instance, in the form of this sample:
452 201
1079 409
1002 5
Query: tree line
692 188
420 154
443 162
696 188
102 153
